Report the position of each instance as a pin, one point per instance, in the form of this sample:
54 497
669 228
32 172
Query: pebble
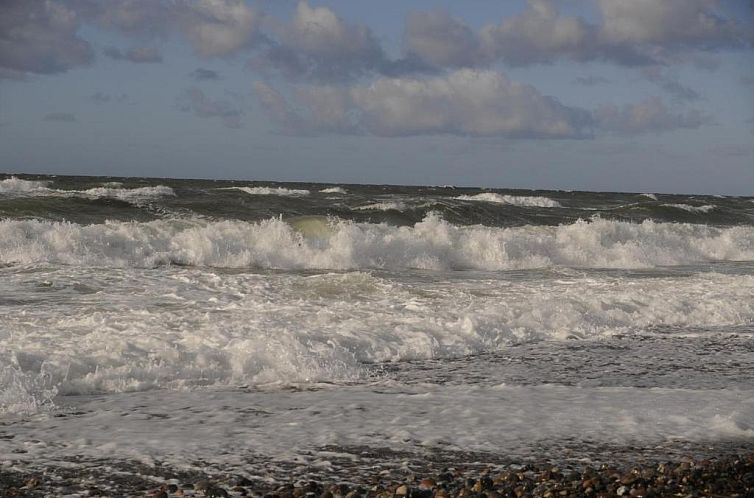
725 477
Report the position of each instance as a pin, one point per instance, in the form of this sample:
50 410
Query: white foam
692 209
228 429
285 192
383 206
179 328
17 186
649 196
431 244
24 188
334 190
514 200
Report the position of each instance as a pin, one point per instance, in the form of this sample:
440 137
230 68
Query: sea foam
25 188
692 209
285 192
514 200
431 244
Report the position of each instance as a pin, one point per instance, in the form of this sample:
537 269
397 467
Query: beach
249 338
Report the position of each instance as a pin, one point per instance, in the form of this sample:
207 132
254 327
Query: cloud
218 27
670 24
196 102
61 117
734 150
650 115
465 103
135 54
215 28
591 80
540 34
636 32
39 37
441 40
669 83
201 74
317 45
101 98
143 18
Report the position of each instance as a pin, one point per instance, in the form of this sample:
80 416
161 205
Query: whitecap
285 192
692 209
334 190
523 201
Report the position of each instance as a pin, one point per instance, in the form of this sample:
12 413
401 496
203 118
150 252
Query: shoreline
727 475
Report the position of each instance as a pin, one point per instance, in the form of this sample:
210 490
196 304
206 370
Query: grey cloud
651 115
680 92
637 32
201 74
670 23
39 37
218 27
12 74
442 40
196 102
318 45
669 83
747 80
540 34
62 117
734 150
465 102
215 28
591 80
277 108
100 98
135 54
131 17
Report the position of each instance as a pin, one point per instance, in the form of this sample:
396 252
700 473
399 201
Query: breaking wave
286 192
334 190
383 206
16 187
523 201
430 244
692 209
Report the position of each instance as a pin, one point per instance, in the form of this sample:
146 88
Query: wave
334 190
430 244
522 201
649 196
285 192
692 209
112 190
383 206
231 329
17 186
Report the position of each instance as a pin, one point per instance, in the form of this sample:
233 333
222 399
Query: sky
605 95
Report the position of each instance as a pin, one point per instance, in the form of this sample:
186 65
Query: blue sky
630 95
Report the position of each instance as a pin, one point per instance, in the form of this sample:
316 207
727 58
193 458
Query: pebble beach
730 476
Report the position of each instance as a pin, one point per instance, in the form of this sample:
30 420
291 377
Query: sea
265 330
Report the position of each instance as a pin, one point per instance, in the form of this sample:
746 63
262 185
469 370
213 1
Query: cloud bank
465 102
636 32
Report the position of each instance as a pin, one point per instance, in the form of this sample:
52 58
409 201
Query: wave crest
430 244
285 192
513 200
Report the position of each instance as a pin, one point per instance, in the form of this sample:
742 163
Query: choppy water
180 320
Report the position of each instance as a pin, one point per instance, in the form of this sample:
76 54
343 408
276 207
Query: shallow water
212 324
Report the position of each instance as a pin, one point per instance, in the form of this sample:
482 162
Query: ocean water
347 328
